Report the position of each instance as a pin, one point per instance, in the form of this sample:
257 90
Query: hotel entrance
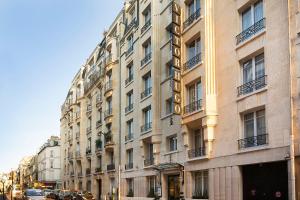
173 187
265 181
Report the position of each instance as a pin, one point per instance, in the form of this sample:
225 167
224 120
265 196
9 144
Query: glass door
173 187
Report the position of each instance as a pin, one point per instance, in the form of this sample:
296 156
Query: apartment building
194 99
48 164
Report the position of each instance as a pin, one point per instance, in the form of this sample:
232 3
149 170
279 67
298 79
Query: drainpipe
292 149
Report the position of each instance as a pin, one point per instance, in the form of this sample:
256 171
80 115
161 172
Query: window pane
197 4
260 121
246 19
199 90
247 72
249 125
258 11
259 66
192 95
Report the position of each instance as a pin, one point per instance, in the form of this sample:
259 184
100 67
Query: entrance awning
168 166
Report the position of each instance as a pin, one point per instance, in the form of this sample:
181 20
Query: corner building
199 100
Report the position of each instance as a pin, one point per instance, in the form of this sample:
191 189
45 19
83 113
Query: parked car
64 193
52 196
16 192
34 194
84 196
47 191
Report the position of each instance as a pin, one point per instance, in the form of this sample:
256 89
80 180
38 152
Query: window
89 143
51 164
130 187
129 129
254 124
147 81
252 15
89 122
192 7
151 186
147 115
51 154
100 115
201 185
147 48
195 92
89 185
130 156
147 15
169 106
129 73
129 98
173 143
150 151
253 75
198 145
169 70
193 49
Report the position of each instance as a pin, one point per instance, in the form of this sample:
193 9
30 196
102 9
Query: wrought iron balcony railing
252 30
191 18
98 169
192 107
149 162
146 59
108 86
87 171
129 108
111 167
198 152
108 113
88 151
254 141
146 92
129 136
192 62
130 25
252 85
146 127
129 166
146 26
129 79
98 123
88 130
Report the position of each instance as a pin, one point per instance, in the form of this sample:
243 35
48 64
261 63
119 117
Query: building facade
195 99
48 162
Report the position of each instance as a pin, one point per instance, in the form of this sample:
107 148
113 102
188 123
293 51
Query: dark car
84 196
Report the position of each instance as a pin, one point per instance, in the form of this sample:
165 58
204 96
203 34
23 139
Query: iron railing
146 59
146 92
130 25
192 62
129 108
146 26
146 127
198 152
252 30
98 169
108 86
107 112
253 141
149 162
192 107
191 18
111 167
88 151
252 85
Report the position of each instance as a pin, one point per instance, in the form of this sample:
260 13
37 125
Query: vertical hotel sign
176 57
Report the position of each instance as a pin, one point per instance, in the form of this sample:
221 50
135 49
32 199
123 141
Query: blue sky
42 45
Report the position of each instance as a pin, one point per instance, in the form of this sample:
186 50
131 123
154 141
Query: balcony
128 137
198 152
192 107
108 113
88 109
88 130
98 123
146 92
108 86
87 171
252 85
148 162
88 151
129 166
111 167
129 50
108 139
79 174
252 30
98 146
254 141
93 79
129 26
146 26
146 127
146 59
129 108
191 63
193 17
129 79
98 170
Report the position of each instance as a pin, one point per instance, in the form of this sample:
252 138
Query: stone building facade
195 99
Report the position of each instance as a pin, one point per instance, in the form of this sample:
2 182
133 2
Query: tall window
51 164
130 129
253 68
147 47
130 72
130 41
199 139
147 81
201 185
195 92
169 106
254 124
173 143
89 122
129 98
193 48
129 187
51 153
147 115
192 7
130 156
109 104
147 15
252 15
151 185
89 143
150 151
